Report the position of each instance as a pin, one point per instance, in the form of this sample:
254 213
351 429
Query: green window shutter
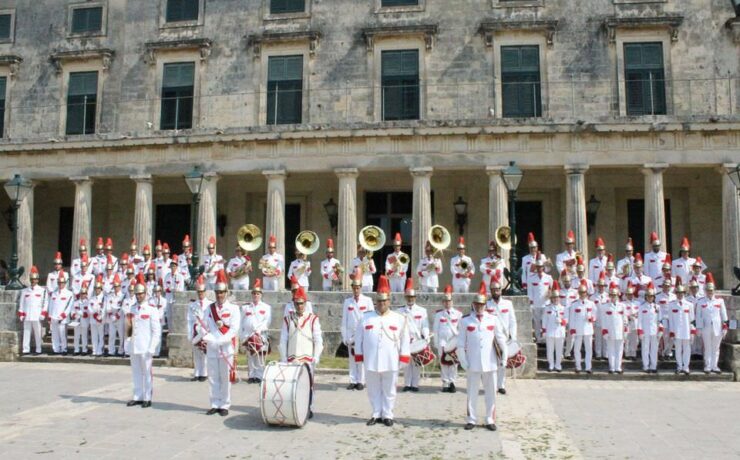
644 79
404 63
643 56
83 84
182 10
520 81
178 75
5 25
287 6
87 19
3 88
285 68
399 2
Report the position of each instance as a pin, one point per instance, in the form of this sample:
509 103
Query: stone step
668 365
632 375
110 360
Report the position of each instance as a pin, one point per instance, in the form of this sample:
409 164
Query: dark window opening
400 80
520 81
177 96
82 98
284 90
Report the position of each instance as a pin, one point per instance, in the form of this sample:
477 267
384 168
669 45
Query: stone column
275 219
421 214
207 214
654 204
575 206
347 220
731 226
498 205
143 210
24 236
81 226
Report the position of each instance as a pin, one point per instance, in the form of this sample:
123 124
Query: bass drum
285 394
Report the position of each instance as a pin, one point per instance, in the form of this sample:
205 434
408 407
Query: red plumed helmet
409 291
384 288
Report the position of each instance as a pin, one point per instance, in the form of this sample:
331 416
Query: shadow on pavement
156 405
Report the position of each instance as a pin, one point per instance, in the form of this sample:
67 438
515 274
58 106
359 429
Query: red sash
217 318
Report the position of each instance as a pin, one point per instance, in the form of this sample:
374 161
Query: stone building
391 108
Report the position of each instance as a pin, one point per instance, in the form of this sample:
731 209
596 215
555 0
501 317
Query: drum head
418 345
302 396
512 347
284 394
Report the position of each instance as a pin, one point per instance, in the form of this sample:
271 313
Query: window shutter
3 82
400 63
285 68
182 10
83 84
5 25
178 75
87 19
287 6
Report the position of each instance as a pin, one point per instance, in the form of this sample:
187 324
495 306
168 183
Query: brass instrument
267 268
440 239
503 237
338 270
301 269
307 242
403 259
371 238
464 265
243 270
249 237
365 264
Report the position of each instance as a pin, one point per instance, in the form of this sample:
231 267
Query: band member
123 265
537 288
418 325
554 322
461 268
110 272
146 260
366 264
238 269
301 269
699 277
97 317
272 266
491 265
599 298
301 340
428 269
75 269
256 320
151 279
639 279
109 256
185 259
80 314
503 309
158 301
382 344
613 323
649 330
528 260
597 265
51 278
663 299
352 312
113 317
60 306
173 282
331 269
478 356
134 257
566 260
665 273
163 263
654 260
681 267
143 339
212 263
581 323
397 265
446 330
221 327
624 266
32 309
632 310
581 275
714 324
196 316
97 263
683 327
290 306
84 276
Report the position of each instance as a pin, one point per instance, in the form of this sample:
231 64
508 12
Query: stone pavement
74 410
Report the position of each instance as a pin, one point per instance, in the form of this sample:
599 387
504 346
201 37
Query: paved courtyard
78 410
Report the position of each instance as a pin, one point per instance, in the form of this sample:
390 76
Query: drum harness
298 329
232 367
415 332
265 341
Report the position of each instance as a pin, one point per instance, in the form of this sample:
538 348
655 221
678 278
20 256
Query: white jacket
446 327
581 317
33 301
504 311
352 313
648 319
428 270
60 305
613 320
382 342
712 314
682 319
255 319
554 320
475 346
221 342
147 330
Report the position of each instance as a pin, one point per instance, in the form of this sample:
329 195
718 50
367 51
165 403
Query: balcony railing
478 103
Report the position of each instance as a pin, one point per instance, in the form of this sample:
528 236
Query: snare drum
418 345
514 356
423 358
285 394
255 344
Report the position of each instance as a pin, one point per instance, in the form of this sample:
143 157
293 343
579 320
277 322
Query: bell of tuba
307 242
372 238
439 237
249 237
503 237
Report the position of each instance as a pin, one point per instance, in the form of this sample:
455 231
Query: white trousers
141 369
630 345
697 345
683 354
255 366
569 344
460 285
649 346
536 321
412 375
31 327
614 351
448 374
218 380
428 289
356 370
270 283
599 341
199 363
398 283
241 284
81 332
588 345
367 287
58 336
711 349
381 390
554 352
489 388
115 330
97 337
667 344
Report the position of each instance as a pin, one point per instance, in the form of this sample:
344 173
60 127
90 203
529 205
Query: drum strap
453 328
413 328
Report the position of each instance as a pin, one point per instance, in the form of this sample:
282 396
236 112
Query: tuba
372 238
439 238
307 242
249 237
503 237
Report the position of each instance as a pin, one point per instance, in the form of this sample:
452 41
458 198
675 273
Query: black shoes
146 404
413 390
406 389
134 403
445 389
351 386
491 427
202 379
359 387
195 379
372 421
502 391
388 421
211 411
223 412
310 414
469 426
452 388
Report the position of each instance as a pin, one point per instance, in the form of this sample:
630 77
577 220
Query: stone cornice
547 26
427 31
672 23
13 61
257 41
58 58
203 45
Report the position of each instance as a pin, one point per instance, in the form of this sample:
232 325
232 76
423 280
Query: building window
87 20
182 10
6 23
644 78
82 98
400 80
287 6
284 90
520 81
3 84
385 3
177 95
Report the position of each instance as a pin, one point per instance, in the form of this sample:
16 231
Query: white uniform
640 282
478 358
301 341
212 264
60 306
382 344
145 338
682 318
566 260
490 266
172 283
52 283
183 265
649 330
428 270
367 274
275 261
581 324
196 314
446 328
221 349
663 300
554 322
160 303
461 277
97 323
418 324
161 267
32 308
81 313
654 263
527 268
628 261
631 309
538 290
98 264
681 268
290 308
86 277
701 280
301 269
328 274
235 263
256 319
712 319
504 311
396 271
613 322
599 299
352 313
595 267
115 321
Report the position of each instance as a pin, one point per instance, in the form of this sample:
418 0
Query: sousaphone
372 238
249 237
439 237
503 237
307 242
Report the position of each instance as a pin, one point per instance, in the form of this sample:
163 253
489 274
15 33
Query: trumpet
365 264
464 265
